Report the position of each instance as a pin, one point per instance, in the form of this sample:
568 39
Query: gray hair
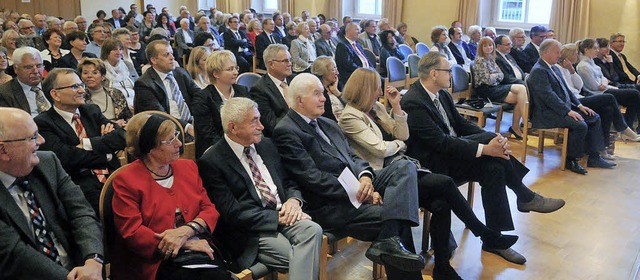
159 30
184 20
51 20
548 43
428 62
322 65
300 87
351 25
22 51
473 29
234 110
272 51
51 81
515 31
119 32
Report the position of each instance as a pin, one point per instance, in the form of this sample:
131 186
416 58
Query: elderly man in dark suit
260 207
25 92
239 44
115 19
84 140
518 38
553 105
513 74
47 228
445 142
267 37
537 34
271 90
326 44
350 54
317 156
165 87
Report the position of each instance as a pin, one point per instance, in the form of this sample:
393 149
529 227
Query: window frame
494 13
356 7
265 9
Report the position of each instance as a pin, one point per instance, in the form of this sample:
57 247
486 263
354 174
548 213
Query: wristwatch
96 257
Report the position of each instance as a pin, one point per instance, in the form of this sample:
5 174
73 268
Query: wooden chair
396 76
460 83
255 66
372 57
413 61
528 126
248 79
405 50
330 246
421 49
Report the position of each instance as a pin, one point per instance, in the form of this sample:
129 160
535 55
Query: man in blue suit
350 54
553 105
532 51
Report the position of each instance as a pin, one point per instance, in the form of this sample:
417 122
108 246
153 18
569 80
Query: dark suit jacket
531 58
271 104
69 61
151 94
508 71
232 43
624 78
242 216
549 103
262 42
348 61
112 22
520 57
206 116
608 70
316 166
11 95
456 53
68 216
323 47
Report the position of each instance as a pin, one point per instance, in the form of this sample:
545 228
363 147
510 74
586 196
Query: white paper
351 185
193 266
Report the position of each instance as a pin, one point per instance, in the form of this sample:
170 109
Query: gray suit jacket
182 45
68 215
11 95
323 47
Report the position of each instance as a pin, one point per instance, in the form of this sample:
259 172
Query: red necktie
365 62
100 173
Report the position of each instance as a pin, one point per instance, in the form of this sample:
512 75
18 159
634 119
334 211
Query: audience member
508 65
163 22
184 39
9 41
439 40
518 40
62 237
40 22
238 43
350 54
551 34
628 74
267 37
406 37
204 24
538 34
326 43
84 140
291 34
98 36
146 26
474 33
446 143
271 227
459 48
28 36
136 50
81 22
605 62
115 20
313 30
196 66
326 70
303 50
112 101
4 65
121 74
185 14
25 92
389 49
161 210
280 29
253 30
369 38
53 52
490 32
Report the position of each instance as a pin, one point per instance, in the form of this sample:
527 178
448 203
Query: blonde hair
254 25
301 26
194 59
216 61
567 51
322 65
360 88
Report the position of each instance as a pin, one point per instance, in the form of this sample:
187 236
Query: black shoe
444 271
598 162
501 241
390 251
514 134
574 166
507 254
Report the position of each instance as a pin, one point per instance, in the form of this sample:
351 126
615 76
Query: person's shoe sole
404 264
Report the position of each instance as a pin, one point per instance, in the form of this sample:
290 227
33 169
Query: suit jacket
301 54
609 71
364 39
532 56
456 53
182 45
508 71
549 102
323 47
262 42
231 189
316 166
120 21
232 43
36 42
151 94
69 61
348 61
271 103
624 78
68 216
12 95
206 116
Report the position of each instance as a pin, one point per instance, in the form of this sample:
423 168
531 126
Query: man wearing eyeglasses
98 35
518 38
47 229
627 73
538 34
25 92
28 36
239 44
84 140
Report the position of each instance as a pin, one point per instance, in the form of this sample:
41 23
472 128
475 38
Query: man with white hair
28 36
40 23
81 22
25 92
54 22
350 54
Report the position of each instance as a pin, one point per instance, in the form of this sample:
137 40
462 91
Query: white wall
89 8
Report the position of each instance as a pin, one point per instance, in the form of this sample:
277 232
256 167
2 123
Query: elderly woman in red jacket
161 211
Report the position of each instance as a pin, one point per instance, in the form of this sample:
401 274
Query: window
270 5
368 8
521 13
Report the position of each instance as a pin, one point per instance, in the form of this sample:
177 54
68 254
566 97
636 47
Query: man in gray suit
261 217
25 92
326 45
47 228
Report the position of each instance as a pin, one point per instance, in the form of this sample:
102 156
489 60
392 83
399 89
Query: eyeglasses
33 138
233 68
32 66
443 70
75 87
170 142
286 60
619 41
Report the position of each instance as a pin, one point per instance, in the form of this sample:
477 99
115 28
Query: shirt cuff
365 173
86 144
479 152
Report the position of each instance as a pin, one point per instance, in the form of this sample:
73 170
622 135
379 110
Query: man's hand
587 110
290 213
365 192
497 147
199 245
91 270
575 115
172 240
106 128
376 198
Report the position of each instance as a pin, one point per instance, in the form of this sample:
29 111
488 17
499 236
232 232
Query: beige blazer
365 138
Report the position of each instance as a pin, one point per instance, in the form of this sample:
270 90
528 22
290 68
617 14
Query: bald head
550 51
17 145
306 96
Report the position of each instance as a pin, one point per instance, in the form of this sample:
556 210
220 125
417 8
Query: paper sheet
192 266
351 185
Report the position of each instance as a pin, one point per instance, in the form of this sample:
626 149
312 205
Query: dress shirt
238 150
31 97
513 66
363 58
173 105
573 81
68 117
187 37
279 85
224 99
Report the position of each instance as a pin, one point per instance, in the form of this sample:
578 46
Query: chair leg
540 141
470 191
498 120
565 134
525 138
426 224
324 258
378 272
482 121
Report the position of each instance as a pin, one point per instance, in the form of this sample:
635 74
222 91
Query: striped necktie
269 199
185 114
101 174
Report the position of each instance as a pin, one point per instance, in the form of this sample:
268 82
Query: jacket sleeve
145 99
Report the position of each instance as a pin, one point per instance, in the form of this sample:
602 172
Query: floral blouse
483 69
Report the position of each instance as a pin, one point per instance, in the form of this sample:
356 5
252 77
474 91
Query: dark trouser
629 98
244 60
584 136
607 107
168 271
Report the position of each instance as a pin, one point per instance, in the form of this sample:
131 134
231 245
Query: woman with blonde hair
325 69
407 38
487 77
196 65
9 40
254 28
4 65
302 49
222 70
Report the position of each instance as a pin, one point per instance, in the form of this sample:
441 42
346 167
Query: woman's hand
566 64
602 87
199 245
393 97
172 240
121 122
333 89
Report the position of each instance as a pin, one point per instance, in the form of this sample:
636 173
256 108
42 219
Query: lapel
46 201
14 213
155 78
19 95
435 114
558 78
338 142
269 163
324 146
235 164
62 124
275 92
90 126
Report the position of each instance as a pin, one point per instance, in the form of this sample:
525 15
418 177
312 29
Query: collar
305 118
68 117
27 88
222 95
349 40
617 53
162 75
432 96
303 39
458 44
7 180
276 81
237 149
372 36
549 65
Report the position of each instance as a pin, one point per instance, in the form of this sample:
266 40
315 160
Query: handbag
189 257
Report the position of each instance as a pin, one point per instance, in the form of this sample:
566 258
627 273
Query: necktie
316 127
333 47
625 68
273 41
41 102
443 114
237 35
101 174
43 237
374 45
365 62
269 200
564 86
285 91
185 114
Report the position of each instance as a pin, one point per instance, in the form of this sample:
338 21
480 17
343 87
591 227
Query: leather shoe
390 251
597 162
574 166
541 204
514 134
444 271
507 254
501 241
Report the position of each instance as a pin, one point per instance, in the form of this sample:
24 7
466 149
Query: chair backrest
395 69
371 57
248 79
106 214
405 50
459 79
413 61
421 49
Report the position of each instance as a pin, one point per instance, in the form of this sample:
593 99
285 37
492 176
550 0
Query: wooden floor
595 236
